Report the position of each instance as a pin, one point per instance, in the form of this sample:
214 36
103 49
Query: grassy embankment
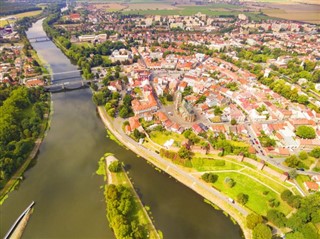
139 212
255 183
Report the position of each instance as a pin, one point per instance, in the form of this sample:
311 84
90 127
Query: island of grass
126 214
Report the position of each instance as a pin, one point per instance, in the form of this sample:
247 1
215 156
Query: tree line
120 207
21 122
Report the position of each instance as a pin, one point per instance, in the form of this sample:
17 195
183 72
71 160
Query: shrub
242 198
210 177
306 132
115 166
253 219
229 182
262 231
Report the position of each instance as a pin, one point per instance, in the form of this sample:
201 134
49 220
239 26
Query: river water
68 195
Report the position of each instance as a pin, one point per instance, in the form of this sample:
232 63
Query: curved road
186 178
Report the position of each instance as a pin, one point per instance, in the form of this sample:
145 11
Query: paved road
275 162
169 167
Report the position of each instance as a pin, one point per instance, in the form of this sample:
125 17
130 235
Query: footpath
144 216
236 211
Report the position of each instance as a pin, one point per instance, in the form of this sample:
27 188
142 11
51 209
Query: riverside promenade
236 211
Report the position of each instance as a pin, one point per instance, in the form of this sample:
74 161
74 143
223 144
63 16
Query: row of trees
120 207
174 156
21 115
220 142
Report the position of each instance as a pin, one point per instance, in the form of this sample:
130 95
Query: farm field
27 14
4 22
110 7
298 12
210 10
147 6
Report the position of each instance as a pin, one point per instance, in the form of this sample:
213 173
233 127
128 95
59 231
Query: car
231 200
300 169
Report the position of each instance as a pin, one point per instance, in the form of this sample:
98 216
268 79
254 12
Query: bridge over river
65 81
69 85
39 39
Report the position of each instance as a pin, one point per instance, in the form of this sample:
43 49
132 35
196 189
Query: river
68 195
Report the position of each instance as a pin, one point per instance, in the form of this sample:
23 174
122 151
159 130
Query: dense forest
22 113
302 222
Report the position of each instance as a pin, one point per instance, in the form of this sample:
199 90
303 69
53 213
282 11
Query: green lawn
203 164
84 44
258 202
161 137
274 183
301 179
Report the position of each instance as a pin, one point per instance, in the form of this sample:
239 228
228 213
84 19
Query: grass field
27 14
18 16
147 6
110 7
300 180
161 137
258 202
202 164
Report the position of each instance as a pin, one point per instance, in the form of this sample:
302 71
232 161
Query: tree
253 220
242 198
295 235
276 217
293 173
124 112
184 153
315 152
233 122
262 231
303 99
210 177
303 155
294 162
229 182
115 166
286 195
306 132
111 112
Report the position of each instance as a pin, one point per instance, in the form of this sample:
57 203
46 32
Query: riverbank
121 178
236 212
17 177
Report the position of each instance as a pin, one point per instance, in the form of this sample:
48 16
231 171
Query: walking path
236 211
153 233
